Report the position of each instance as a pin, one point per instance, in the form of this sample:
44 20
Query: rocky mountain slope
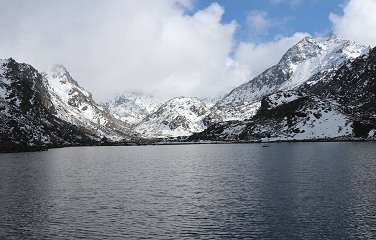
320 89
132 107
339 104
285 116
177 117
77 106
27 114
305 62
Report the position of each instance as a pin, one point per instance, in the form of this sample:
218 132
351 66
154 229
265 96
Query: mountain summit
305 62
132 107
321 88
334 104
180 116
76 105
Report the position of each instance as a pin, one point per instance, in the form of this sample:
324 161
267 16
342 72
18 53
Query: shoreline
26 149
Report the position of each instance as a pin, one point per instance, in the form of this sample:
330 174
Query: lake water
246 191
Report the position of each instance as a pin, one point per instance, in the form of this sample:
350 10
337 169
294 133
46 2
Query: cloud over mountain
357 22
163 47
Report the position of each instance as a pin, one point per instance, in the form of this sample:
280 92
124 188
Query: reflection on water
287 191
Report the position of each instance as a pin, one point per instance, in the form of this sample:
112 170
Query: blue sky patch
284 17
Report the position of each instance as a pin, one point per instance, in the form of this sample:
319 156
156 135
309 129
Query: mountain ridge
132 107
77 106
180 116
27 114
340 105
299 64
321 89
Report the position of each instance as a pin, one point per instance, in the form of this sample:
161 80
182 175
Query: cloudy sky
171 47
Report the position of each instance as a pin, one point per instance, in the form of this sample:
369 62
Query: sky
279 17
169 48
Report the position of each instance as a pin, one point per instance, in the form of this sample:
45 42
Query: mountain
339 104
305 62
320 89
155 118
353 87
132 107
285 116
27 114
180 116
76 105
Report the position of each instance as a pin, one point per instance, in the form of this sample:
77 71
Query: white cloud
111 46
259 57
151 46
358 22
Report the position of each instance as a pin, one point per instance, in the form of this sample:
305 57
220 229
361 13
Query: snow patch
178 117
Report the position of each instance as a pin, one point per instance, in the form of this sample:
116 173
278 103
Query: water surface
287 191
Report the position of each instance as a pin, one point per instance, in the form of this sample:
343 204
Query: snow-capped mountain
285 116
320 89
305 62
340 104
155 118
353 87
77 106
132 107
180 116
27 114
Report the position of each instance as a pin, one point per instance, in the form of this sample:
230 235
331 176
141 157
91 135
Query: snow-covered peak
61 82
302 63
304 49
192 108
179 116
331 47
59 72
317 56
132 107
27 115
59 69
76 105
183 102
147 102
